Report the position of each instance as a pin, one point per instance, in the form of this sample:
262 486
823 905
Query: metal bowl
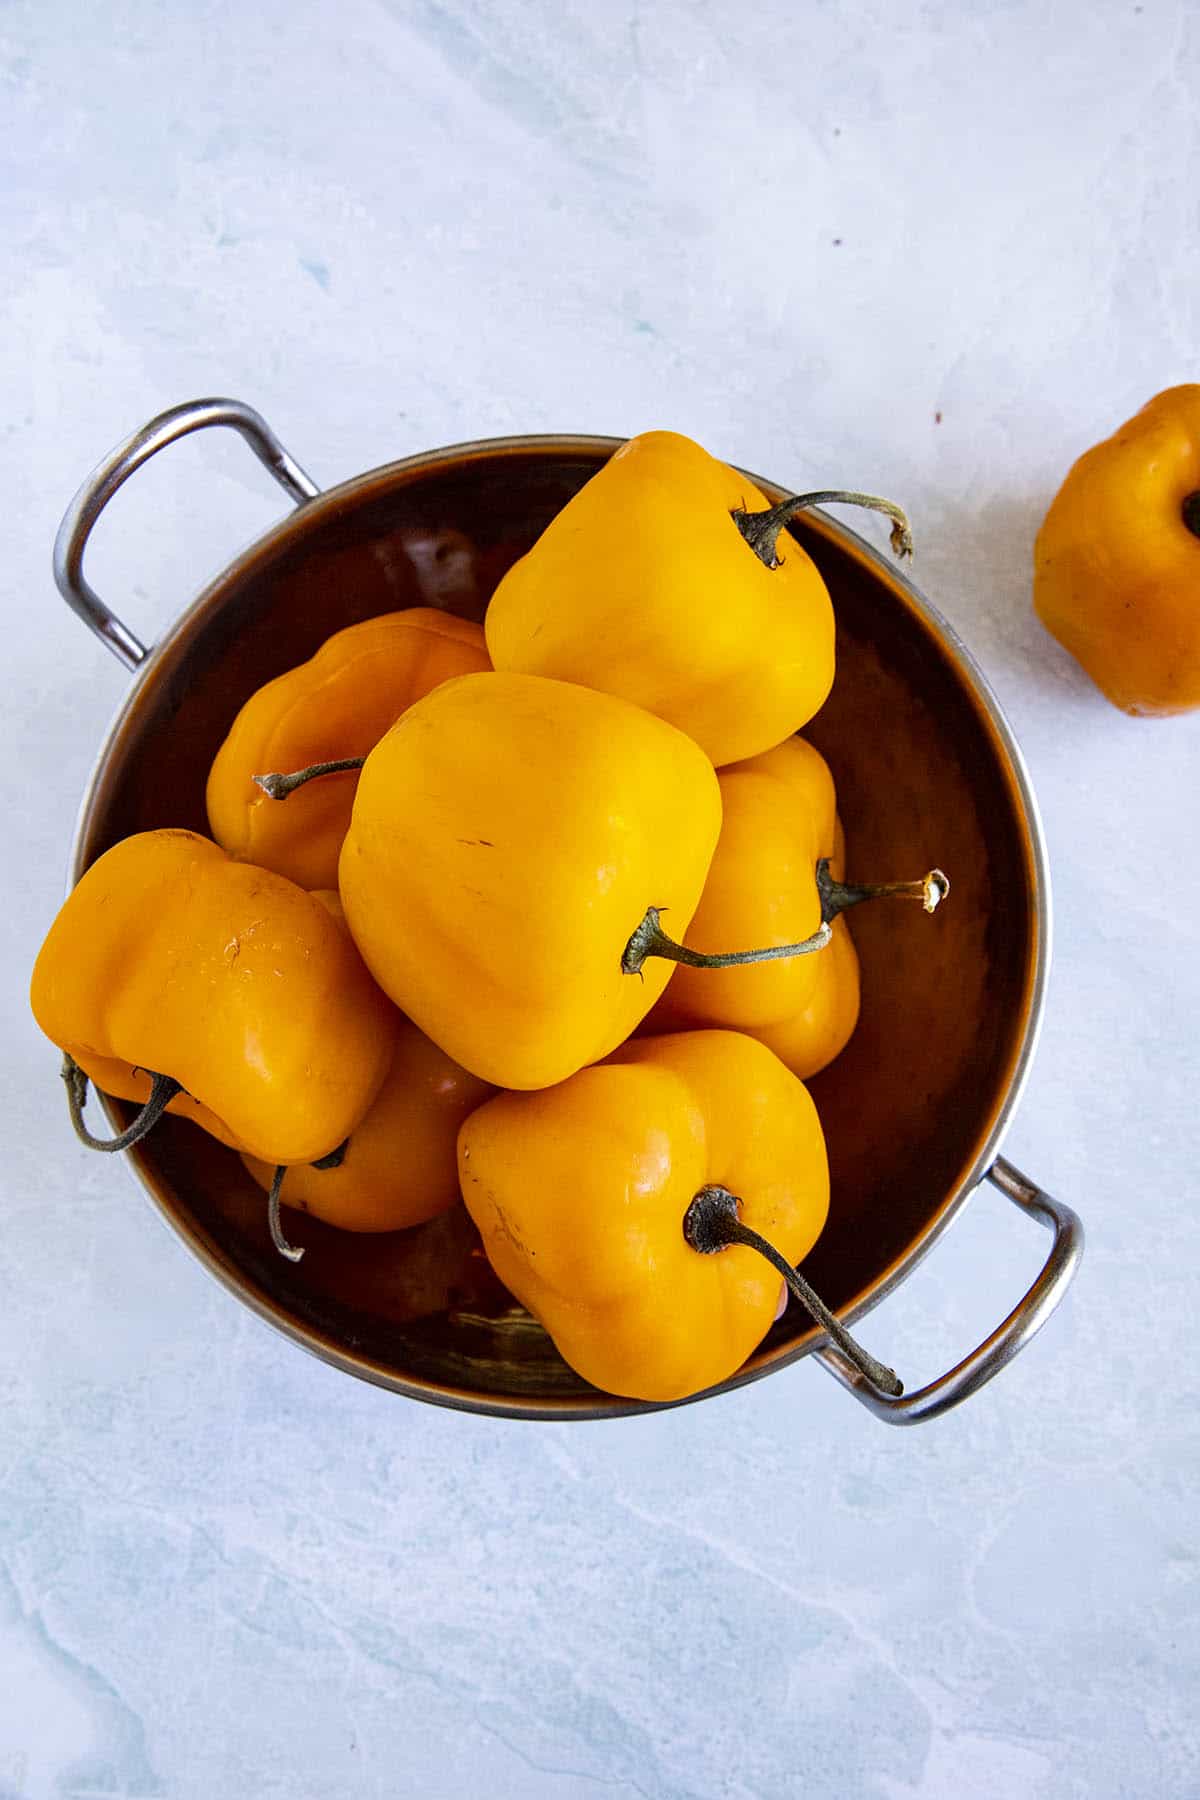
927 772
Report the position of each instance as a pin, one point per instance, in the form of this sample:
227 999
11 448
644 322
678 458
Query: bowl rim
309 516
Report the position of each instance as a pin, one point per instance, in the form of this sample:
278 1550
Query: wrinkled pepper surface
508 835
335 706
581 1193
169 958
1117 560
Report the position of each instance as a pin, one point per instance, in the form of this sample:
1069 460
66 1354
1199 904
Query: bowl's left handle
118 466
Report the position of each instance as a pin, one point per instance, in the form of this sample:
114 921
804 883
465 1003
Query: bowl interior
924 777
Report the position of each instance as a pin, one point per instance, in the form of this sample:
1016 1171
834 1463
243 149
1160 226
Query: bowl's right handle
1008 1339
100 486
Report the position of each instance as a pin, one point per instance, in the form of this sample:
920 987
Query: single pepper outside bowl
927 771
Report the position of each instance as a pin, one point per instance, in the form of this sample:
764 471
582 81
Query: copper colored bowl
927 773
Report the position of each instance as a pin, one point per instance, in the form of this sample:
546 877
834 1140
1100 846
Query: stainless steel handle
1008 1339
118 466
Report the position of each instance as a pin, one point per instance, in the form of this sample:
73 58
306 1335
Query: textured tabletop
928 251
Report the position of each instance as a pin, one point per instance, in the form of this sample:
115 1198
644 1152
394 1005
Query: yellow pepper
399 1167
779 822
1117 560
222 992
661 581
645 1210
509 835
335 706
808 1039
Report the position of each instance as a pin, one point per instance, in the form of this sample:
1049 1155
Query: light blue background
804 234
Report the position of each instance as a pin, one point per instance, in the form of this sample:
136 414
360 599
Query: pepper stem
1191 512
651 940
761 529
335 1159
163 1089
278 787
837 896
291 1251
712 1223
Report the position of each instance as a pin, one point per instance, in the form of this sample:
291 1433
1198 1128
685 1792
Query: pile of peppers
424 958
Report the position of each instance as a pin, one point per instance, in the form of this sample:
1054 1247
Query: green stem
163 1089
761 529
712 1222
1191 512
651 940
278 787
837 896
291 1251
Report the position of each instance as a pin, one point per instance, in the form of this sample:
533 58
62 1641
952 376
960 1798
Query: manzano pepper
176 976
1117 560
334 707
645 1210
665 580
508 836
775 877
